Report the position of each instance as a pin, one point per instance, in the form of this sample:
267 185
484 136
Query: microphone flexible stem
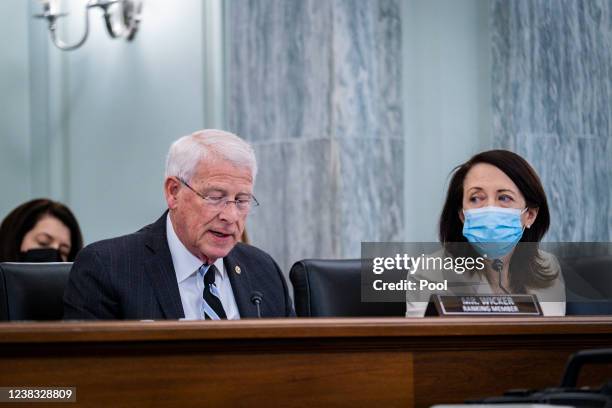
498 265
258 309
256 298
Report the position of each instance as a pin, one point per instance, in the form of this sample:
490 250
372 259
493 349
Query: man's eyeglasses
244 205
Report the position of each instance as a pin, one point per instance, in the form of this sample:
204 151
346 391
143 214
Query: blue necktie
213 309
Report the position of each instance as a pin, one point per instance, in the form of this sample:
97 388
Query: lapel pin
237 269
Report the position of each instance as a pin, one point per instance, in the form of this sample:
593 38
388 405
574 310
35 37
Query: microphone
498 265
256 298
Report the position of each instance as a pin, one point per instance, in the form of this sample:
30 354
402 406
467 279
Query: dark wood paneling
483 373
223 379
294 362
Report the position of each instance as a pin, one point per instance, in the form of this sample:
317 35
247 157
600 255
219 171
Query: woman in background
495 201
40 230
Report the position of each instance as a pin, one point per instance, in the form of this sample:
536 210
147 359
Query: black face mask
41 255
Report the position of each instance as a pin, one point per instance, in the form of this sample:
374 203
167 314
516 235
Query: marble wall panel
371 188
575 180
366 69
280 68
315 86
297 187
552 101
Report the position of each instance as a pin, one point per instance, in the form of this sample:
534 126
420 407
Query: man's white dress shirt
191 281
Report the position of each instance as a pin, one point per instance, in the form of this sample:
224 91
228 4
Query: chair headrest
32 291
332 288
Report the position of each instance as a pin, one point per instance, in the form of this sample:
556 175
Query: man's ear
530 216
172 187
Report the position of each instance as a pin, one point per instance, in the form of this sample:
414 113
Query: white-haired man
189 263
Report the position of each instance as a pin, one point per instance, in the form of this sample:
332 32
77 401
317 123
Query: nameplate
483 305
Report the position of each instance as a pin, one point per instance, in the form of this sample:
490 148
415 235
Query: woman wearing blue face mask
496 209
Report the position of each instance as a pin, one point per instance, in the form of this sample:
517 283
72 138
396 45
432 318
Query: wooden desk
299 362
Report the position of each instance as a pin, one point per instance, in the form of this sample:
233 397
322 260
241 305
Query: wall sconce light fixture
121 18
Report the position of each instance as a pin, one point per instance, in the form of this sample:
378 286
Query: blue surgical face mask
493 231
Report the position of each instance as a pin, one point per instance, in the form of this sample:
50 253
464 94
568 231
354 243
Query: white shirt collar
219 264
185 263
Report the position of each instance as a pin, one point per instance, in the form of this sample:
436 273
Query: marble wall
552 103
315 87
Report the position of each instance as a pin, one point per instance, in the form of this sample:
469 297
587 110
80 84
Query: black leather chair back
332 288
32 291
588 283
597 271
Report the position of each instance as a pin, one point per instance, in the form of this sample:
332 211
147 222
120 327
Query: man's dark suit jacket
132 277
